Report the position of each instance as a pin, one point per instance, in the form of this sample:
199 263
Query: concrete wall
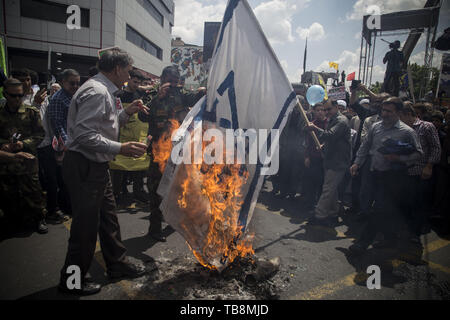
138 18
36 34
107 29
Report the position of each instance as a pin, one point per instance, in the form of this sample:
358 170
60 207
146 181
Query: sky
333 28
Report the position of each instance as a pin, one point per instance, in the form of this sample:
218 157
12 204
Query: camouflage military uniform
174 106
21 196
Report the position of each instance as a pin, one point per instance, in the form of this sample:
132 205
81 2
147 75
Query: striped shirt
94 118
429 140
58 109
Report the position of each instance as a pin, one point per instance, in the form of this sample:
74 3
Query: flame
221 186
162 148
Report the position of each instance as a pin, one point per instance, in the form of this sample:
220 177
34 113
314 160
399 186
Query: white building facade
33 27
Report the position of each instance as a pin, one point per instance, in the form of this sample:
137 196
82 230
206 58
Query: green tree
376 88
418 73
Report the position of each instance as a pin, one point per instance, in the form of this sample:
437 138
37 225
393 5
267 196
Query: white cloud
190 16
360 8
378 73
348 61
275 17
420 57
284 64
315 32
293 75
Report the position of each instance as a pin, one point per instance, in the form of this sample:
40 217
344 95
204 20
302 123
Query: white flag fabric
248 90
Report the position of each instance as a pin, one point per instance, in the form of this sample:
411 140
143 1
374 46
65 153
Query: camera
355 84
394 45
44 86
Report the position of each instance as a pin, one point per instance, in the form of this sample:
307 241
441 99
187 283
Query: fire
162 148
221 186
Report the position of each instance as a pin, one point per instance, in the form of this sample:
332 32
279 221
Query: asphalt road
315 262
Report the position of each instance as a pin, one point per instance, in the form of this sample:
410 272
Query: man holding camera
394 60
170 102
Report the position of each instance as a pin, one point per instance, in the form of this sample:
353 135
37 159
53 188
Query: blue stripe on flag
226 18
243 217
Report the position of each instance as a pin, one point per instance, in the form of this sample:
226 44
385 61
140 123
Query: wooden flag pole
313 134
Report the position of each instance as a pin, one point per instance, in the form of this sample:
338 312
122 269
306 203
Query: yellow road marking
438 267
320 292
324 290
436 245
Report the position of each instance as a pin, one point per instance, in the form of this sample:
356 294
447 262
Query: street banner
248 95
337 93
3 62
324 85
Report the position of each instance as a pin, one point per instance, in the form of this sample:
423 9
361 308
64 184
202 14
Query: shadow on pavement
136 246
388 259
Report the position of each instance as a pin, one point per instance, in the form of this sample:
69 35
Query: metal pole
424 82
305 118
411 84
49 67
365 63
373 57
360 56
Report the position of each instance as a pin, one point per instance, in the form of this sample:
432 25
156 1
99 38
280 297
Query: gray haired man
93 122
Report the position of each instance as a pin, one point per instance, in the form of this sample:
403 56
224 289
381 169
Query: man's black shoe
42 227
57 218
357 248
87 288
126 270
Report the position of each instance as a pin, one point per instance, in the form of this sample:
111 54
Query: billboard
189 60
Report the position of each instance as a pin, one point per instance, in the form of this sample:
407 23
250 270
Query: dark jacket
337 140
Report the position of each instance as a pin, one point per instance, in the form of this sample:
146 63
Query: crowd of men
382 160
77 150
72 150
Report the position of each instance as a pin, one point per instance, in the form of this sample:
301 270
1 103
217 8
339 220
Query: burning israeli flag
228 143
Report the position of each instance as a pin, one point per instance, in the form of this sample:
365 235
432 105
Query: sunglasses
14 95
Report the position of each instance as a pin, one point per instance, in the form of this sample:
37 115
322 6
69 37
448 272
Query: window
166 6
136 38
50 11
153 12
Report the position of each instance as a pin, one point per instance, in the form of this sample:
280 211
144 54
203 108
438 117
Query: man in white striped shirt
94 118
